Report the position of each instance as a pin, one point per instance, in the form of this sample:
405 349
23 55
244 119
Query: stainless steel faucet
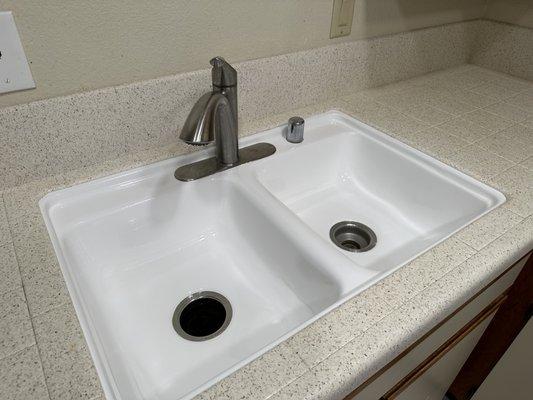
214 117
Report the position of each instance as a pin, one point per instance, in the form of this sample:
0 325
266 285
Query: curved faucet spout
211 119
194 131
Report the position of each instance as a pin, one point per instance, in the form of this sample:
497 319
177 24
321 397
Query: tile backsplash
58 135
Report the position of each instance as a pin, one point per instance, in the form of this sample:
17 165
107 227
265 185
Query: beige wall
78 45
518 12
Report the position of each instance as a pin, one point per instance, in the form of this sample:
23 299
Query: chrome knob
295 130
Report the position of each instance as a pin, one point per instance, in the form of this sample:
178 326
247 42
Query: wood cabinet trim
361 387
510 319
443 349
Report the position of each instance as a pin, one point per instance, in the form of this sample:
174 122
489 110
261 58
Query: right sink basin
346 171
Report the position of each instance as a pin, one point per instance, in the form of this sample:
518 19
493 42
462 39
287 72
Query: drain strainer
202 316
353 236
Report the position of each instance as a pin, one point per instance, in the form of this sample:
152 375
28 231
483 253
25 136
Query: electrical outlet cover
341 18
15 72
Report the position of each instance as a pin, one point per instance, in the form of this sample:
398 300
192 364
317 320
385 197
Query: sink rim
96 349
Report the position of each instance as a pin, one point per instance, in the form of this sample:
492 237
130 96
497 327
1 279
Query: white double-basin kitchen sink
134 245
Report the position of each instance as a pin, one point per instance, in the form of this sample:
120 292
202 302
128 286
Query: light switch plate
342 17
15 72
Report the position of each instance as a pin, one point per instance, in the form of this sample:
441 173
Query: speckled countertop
479 121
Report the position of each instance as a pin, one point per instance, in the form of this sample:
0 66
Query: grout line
34 338
26 298
307 370
503 232
503 172
293 351
289 383
514 122
515 163
40 314
16 353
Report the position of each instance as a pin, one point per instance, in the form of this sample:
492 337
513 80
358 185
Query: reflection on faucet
214 118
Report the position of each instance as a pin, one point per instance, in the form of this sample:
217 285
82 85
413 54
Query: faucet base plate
210 166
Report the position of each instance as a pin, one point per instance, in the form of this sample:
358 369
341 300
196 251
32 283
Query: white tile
522 100
489 227
506 147
509 112
261 378
21 376
16 332
478 162
67 364
497 92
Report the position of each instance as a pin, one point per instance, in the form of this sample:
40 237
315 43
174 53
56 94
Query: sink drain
202 316
353 236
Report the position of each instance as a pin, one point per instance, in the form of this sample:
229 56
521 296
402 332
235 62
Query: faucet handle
295 130
223 74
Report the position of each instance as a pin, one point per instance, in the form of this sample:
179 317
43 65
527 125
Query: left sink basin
134 245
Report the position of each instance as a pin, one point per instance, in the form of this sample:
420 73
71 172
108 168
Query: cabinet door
513 371
433 383
432 377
